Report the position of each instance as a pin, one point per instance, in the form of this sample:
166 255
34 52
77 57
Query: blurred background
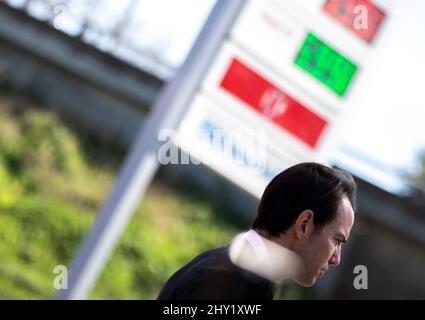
77 81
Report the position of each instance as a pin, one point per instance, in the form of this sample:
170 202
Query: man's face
322 249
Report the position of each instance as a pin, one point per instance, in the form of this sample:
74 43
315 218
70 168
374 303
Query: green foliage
39 140
10 189
36 235
50 192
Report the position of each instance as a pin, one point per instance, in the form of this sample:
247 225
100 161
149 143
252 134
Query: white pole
142 162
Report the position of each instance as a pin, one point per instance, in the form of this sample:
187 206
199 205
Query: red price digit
344 11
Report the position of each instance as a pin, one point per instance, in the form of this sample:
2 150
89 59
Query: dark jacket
212 276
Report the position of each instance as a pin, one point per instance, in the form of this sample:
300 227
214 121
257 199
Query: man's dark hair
304 186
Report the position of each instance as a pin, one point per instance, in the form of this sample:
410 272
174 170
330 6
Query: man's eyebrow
342 237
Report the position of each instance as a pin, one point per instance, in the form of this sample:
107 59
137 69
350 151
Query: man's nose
336 258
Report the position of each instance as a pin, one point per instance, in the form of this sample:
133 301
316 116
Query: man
305 215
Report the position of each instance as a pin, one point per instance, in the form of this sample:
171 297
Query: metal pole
142 163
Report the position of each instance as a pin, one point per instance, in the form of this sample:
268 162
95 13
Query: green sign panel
324 63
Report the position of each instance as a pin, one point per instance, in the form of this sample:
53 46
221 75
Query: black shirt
213 276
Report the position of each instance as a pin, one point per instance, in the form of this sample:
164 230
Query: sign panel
280 40
273 103
325 64
268 32
260 98
353 13
238 152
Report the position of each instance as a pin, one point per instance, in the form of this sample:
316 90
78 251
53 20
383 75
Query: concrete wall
90 86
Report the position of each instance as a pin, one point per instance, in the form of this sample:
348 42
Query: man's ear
304 224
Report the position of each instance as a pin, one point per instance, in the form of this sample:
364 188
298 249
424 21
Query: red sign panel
272 103
347 11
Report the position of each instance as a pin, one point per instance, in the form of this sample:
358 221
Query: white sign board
230 147
278 89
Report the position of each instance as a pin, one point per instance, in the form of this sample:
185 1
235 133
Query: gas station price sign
325 64
344 12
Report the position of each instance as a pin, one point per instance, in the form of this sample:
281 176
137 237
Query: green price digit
325 64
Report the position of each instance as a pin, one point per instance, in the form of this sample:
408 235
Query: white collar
260 249
252 252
